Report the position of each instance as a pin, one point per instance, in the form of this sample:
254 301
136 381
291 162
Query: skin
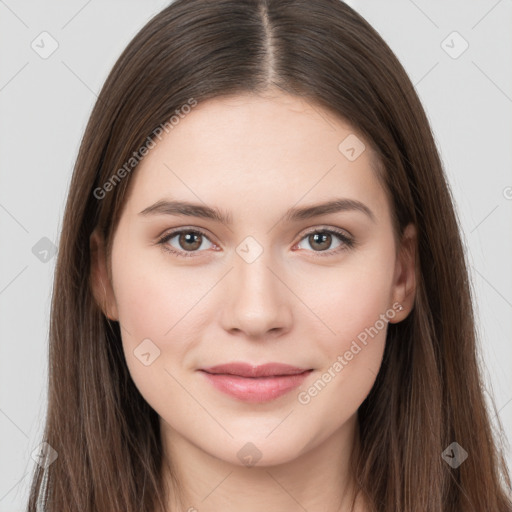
255 156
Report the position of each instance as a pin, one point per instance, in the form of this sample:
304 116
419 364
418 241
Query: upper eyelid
176 231
328 228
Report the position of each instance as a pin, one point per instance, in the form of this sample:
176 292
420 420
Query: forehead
257 153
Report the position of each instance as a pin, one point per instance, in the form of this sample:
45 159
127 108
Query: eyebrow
166 207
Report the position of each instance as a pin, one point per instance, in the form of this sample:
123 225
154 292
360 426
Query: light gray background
45 104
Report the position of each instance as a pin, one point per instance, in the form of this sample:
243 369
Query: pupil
323 238
191 238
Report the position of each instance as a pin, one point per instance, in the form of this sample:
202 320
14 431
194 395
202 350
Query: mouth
247 370
255 384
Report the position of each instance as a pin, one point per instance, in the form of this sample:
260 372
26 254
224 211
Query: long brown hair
428 393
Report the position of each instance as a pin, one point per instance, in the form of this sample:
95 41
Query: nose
257 303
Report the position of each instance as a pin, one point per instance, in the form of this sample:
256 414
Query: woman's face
261 288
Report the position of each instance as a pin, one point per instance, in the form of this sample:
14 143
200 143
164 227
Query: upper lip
249 370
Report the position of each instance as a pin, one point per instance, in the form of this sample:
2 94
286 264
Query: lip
255 383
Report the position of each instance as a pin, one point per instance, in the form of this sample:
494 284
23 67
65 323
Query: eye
188 240
320 240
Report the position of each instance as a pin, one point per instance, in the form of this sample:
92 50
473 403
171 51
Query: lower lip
254 390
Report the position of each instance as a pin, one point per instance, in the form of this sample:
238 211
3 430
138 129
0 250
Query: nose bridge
255 277
256 283
257 298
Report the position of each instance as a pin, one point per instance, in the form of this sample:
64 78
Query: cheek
352 356
152 298
156 311
162 304
350 298
354 302
359 317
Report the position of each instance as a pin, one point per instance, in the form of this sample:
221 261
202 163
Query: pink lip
255 383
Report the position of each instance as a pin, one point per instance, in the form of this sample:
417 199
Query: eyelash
347 242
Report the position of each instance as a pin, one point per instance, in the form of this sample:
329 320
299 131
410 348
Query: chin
260 451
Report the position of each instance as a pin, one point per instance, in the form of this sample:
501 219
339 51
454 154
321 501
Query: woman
261 297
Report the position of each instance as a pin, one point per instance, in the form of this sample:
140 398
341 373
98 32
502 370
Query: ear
99 277
404 284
